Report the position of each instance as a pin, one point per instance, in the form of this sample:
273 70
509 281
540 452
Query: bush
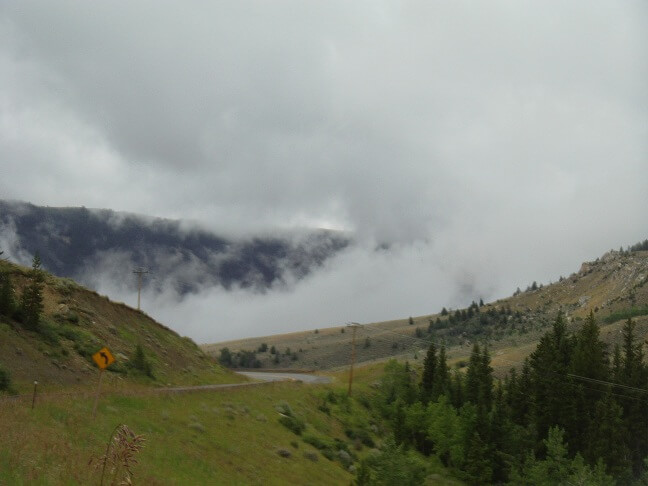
48 333
70 333
5 380
295 425
317 442
289 420
361 434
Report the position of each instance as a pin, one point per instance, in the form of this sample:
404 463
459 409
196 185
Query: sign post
34 396
103 358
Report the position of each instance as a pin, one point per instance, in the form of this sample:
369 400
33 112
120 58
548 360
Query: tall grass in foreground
214 437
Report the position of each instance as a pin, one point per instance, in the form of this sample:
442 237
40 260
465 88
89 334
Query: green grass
229 437
625 314
218 437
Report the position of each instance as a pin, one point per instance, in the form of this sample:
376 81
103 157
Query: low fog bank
362 284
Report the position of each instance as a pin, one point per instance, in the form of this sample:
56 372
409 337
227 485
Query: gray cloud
503 142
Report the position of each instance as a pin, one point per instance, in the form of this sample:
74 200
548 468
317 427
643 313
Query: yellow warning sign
103 358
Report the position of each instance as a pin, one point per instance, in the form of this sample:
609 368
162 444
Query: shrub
289 420
48 333
361 434
294 424
317 442
5 380
311 456
70 333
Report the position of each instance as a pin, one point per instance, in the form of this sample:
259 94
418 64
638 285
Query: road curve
281 376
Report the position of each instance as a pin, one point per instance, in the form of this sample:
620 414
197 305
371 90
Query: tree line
574 413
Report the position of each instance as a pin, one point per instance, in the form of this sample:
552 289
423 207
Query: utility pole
354 326
139 272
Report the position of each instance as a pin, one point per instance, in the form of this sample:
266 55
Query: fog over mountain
93 246
465 149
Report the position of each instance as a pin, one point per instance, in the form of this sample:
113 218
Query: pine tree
472 375
7 297
31 304
634 373
457 389
141 363
551 389
442 376
588 360
429 374
606 439
518 395
501 440
486 381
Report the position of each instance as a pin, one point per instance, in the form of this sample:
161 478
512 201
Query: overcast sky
490 143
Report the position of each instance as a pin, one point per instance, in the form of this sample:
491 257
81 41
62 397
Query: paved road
280 376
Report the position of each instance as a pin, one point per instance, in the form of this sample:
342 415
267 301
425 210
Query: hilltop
612 286
77 322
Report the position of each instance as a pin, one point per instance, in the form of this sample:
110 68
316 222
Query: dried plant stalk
121 450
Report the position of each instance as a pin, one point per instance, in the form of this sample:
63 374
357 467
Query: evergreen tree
7 297
442 376
429 373
635 412
479 380
588 360
486 381
616 364
589 357
552 391
31 304
457 389
501 441
142 364
478 466
606 439
472 390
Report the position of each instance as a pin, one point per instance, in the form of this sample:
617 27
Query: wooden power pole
139 272
354 326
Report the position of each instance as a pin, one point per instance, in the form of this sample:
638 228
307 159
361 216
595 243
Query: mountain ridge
77 242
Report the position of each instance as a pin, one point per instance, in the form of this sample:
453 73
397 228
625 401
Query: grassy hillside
613 287
76 323
226 437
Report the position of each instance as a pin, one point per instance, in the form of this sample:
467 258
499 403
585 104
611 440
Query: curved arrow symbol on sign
105 357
